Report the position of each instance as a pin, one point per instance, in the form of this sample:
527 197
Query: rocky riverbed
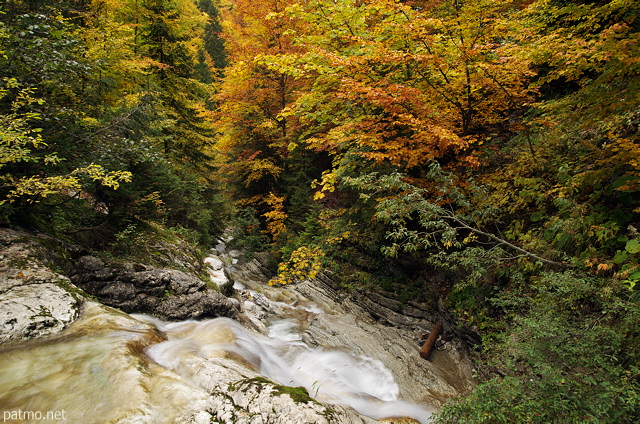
178 363
321 315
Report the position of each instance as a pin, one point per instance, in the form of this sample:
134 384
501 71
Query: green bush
570 356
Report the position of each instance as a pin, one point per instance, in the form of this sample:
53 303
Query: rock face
447 373
167 293
143 370
34 300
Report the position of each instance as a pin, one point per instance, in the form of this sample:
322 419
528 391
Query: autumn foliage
494 142
481 156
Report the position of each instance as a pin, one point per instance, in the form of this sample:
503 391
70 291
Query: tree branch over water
422 218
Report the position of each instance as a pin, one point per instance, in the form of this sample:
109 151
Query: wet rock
129 384
197 305
376 325
348 321
214 262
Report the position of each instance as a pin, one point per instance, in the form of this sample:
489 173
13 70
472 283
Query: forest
484 154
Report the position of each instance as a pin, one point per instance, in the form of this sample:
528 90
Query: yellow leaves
41 187
153 198
276 216
471 238
37 187
106 178
327 183
304 264
275 212
258 168
339 238
18 138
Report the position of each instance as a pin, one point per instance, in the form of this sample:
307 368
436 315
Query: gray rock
181 283
35 310
214 262
236 254
197 305
91 263
376 325
34 300
190 386
168 293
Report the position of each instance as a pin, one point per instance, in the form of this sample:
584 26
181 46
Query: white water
111 367
285 329
332 376
329 375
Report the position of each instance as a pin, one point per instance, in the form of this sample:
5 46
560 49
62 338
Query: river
112 367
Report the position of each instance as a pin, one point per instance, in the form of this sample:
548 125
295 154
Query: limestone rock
201 304
34 300
376 325
35 310
127 383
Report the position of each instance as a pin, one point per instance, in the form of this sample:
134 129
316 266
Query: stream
112 367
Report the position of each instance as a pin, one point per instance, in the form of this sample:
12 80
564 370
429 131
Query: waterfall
329 375
109 366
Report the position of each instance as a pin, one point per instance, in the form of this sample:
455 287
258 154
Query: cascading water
331 376
111 367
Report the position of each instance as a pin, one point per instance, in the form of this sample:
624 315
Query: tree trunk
427 347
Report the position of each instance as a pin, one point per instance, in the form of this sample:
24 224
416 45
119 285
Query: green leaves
19 142
563 358
17 136
633 246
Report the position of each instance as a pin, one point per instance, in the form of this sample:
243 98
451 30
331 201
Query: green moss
74 291
297 394
18 262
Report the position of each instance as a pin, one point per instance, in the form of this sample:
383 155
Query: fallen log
427 347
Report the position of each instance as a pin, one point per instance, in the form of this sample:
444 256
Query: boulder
209 303
34 300
168 293
34 310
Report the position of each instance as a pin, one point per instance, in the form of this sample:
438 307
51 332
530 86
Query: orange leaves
401 85
393 97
